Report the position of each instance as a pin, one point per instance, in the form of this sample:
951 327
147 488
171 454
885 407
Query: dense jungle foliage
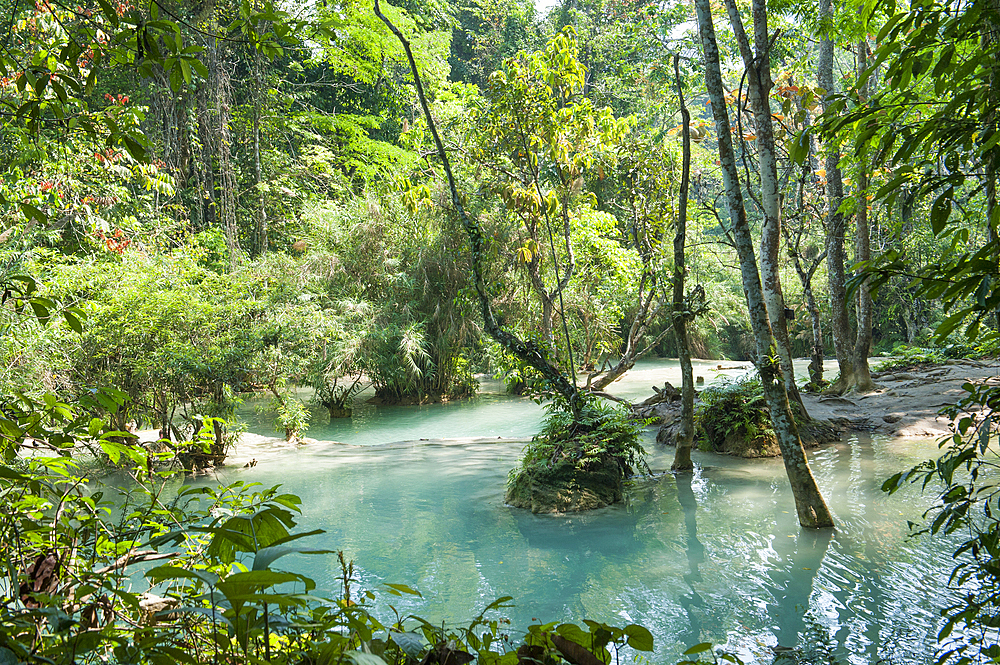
204 201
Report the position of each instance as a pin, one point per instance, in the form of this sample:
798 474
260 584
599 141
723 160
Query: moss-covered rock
578 461
733 419
565 487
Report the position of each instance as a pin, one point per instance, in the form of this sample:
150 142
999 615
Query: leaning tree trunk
685 437
840 325
863 252
648 308
759 82
525 350
809 504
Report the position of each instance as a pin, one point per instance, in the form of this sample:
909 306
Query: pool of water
714 556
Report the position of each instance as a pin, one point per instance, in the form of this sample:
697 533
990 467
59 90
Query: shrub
599 430
733 418
906 357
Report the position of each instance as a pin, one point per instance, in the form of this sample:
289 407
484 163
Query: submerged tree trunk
759 82
810 507
680 316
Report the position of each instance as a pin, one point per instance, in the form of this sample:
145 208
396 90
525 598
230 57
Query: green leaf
109 13
941 211
73 321
412 644
265 557
134 148
11 474
798 147
400 589
362 658
31 212
698 648
639 638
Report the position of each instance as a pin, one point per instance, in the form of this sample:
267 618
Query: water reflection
695 552
799 557
711 556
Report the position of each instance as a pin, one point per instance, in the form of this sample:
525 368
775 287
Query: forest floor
905 403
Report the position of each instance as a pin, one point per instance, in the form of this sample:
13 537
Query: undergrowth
600 430
733 417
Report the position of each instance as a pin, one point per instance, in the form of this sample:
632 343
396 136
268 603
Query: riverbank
905 403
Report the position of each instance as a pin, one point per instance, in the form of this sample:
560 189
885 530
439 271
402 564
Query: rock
893 417
667 434
659 413
151 605
565 488
666 394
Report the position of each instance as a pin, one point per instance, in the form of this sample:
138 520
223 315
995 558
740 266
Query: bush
908 357
68 559
733 418
577 463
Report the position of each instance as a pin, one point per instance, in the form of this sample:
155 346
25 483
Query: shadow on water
695 556
799 558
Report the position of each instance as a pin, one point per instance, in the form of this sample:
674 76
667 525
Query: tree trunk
809 504
816 357
262 241
759 82
840 325
525 350
685 437
226 181
863 252
991 40
632 353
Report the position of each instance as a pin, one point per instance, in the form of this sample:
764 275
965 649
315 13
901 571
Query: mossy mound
733 419
565 487
578 461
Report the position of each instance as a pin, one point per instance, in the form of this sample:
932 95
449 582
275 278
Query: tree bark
991 40
223 140
862 252
759 81
840 324
810 507
680 313
262 241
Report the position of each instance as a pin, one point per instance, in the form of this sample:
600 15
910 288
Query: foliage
733 417
935 146
964 478
905 357
69 555
291 415
600 431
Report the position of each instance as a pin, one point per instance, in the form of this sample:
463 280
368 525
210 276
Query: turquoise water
714 556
